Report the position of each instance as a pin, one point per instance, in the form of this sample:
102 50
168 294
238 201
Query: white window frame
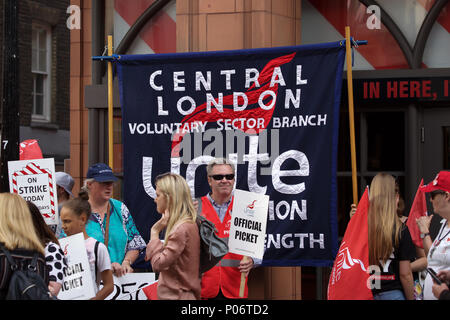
45 117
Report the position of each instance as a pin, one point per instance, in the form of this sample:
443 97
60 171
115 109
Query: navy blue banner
273 112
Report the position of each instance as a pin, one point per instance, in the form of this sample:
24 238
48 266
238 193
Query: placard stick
243 276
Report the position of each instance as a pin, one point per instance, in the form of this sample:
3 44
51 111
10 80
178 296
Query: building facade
35 78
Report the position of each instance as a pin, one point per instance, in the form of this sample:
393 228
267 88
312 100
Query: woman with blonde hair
178 259
18 235
390 244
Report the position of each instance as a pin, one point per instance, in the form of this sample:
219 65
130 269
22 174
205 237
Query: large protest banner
274 112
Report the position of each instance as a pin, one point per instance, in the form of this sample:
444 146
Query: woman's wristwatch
423 235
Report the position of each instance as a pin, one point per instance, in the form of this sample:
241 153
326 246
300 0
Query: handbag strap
107 225
10 259
199 209
97 243
32 266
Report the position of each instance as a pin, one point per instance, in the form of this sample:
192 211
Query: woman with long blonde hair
16 225
178 258
390 244
18 235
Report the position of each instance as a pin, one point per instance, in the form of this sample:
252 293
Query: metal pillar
10 133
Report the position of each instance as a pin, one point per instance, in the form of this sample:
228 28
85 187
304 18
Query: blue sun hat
101 172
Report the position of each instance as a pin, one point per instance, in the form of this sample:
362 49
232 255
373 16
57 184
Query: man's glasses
435 193
219 177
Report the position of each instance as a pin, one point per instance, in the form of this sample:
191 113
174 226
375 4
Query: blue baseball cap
101 172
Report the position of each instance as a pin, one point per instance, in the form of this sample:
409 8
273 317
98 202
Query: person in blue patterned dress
124 241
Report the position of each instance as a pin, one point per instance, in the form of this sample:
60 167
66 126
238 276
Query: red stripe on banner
31 167
382 50
159 33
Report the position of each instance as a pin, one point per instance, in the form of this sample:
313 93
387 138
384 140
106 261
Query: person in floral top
111 217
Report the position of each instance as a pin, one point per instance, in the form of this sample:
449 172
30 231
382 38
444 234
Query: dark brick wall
53 13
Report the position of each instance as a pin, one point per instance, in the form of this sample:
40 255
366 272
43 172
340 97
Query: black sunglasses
435 193
219 177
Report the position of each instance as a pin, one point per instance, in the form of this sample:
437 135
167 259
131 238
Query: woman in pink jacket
178 258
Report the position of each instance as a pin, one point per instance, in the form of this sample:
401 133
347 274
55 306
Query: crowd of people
404 266
113 242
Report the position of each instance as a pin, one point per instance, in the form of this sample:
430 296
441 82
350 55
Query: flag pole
110 104
351 113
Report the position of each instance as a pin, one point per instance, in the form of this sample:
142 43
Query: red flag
151 291
418 209
349 279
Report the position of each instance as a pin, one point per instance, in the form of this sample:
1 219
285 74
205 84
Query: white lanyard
438 239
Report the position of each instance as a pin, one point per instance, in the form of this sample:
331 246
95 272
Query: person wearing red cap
438 249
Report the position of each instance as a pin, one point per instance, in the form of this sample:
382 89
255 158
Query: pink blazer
178 263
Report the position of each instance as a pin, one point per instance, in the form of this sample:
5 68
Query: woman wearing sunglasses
437 248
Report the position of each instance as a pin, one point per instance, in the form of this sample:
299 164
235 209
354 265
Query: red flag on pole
418 209
349 279
151 291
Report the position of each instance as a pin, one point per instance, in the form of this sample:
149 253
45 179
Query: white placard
78 283
248 224
128 287
34 180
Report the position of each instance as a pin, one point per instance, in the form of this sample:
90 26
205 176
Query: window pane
41 69
42 39
38 94
43 60
385 138
38 104
34 59
34 37
34 52
39 84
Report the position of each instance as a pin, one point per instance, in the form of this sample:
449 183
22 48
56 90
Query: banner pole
110 104
351 113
